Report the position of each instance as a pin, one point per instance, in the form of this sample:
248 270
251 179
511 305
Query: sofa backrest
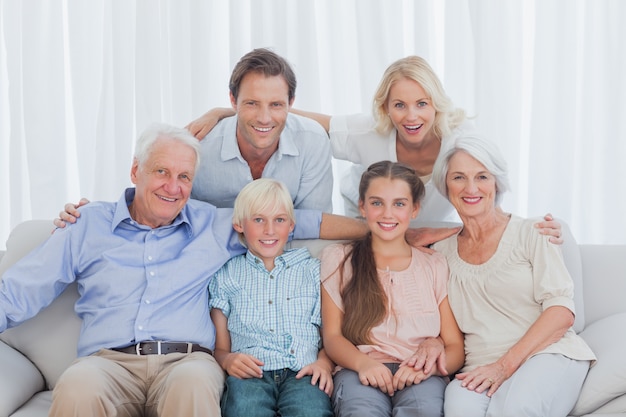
49 339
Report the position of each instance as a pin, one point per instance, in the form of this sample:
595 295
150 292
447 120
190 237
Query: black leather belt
162 348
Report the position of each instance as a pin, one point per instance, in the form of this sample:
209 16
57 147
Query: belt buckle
138 348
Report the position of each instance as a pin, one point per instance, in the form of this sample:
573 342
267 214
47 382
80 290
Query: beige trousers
110 383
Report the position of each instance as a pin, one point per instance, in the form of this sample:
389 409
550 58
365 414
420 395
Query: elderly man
142 266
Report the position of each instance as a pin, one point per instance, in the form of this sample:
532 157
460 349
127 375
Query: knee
202 376
81 380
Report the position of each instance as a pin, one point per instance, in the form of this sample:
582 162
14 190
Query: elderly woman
511 295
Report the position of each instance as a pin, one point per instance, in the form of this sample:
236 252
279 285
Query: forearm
220 356
324 359
547 329
455 357
344 353
336 227
221 112
322 119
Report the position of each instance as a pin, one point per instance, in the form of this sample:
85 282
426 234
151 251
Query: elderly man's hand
425 236
552 228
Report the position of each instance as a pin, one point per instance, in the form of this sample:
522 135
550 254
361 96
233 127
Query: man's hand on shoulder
425 236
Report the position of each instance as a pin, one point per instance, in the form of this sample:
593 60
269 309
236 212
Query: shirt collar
288 258
230 148
122 214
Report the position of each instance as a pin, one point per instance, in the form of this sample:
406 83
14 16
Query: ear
237 228
362 208
416 210
291 101
233 101
133 171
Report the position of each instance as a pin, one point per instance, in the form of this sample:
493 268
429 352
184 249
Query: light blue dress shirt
302 161
272 315
135 283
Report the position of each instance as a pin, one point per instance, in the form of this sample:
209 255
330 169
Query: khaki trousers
110 383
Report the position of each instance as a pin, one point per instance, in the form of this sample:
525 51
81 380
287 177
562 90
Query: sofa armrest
19 380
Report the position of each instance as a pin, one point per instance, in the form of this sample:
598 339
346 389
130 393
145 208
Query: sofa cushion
613 407
606 379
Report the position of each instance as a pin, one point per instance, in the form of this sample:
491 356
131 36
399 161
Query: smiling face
411 112
163 183
471 187
266 234
262 106
388 208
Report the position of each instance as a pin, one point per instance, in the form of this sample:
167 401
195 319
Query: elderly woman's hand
489 377
428 354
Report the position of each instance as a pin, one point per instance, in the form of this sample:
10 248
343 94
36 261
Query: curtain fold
79 80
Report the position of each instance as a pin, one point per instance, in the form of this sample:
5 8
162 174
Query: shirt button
270 302
271 330
140 327
151 273
147 301
271 276
149 258
292 351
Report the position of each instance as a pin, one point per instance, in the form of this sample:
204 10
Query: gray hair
484 151
147 139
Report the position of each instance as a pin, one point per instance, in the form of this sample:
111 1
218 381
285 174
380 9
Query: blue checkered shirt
272 315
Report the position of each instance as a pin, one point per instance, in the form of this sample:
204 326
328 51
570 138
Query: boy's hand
321 374
242 366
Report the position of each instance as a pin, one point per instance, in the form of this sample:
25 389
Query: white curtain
80 79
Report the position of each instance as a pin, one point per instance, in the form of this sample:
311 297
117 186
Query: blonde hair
447 116
264 195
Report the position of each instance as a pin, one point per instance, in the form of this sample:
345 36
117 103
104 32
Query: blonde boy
265 305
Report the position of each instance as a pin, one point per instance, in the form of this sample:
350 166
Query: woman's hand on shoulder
70 213
205 123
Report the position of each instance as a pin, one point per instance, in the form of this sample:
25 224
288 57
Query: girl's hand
377 375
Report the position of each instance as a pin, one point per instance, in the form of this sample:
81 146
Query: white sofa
34 354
